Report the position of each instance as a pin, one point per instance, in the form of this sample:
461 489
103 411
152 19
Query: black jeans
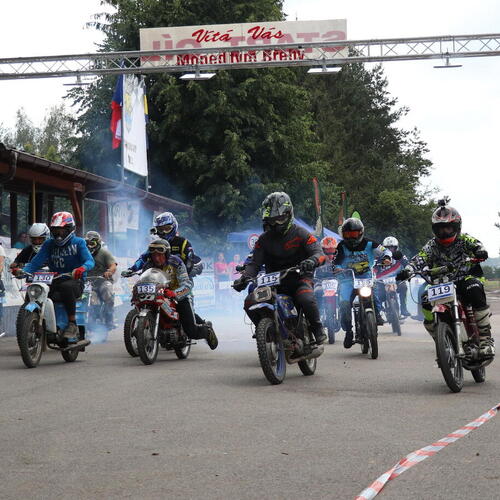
302 292
189 321
66 291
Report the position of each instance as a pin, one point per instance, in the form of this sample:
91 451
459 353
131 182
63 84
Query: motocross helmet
446 223
391 243
353 231
38 233
329 246
62 227
159 251
94 241
165 226
277 212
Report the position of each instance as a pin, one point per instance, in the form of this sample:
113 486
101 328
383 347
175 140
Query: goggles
166 228
59 231
277 221
444 231
351 235
92 243
157 249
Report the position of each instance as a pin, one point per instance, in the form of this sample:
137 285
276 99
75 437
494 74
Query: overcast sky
456 110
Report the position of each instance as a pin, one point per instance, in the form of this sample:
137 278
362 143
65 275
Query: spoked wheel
147 345
29 341
330 326
449 362
128 333
308 366
371 335
479 374
394 313
361 333
271 351
183 352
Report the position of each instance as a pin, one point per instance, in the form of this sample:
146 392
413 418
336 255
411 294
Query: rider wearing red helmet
451 246
64 253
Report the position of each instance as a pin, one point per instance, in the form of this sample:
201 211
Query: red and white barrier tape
420 455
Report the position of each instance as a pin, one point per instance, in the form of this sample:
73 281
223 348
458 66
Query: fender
143 313
440 308
32 306
261 305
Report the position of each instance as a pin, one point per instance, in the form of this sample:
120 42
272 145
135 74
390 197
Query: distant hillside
494 262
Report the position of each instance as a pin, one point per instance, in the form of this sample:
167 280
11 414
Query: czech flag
116 113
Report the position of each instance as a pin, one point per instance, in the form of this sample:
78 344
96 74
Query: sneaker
320 337
348 343
405 313
71 331
212 340
380 321
486 347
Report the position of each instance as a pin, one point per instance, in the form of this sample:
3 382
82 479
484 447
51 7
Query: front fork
456 323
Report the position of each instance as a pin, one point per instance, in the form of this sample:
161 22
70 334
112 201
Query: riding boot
486 342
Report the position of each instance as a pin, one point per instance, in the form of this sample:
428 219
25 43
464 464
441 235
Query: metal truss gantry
252 56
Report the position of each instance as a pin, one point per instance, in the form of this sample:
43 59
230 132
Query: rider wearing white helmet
38 233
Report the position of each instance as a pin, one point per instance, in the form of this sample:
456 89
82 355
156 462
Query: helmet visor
444 230
351 235
277 221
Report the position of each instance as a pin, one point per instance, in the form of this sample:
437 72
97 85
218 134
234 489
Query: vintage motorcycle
455 329
363 313
391 303
282 332
154 321
42 322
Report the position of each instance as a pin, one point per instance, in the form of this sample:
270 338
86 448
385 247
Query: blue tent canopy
242 236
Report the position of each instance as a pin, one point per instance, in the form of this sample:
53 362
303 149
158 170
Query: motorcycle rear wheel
308 366
271 351
449 362
129 339
147 346
183 352
394 316
29 342
70 356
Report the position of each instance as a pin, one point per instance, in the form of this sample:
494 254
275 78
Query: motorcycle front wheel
449 362
271 351
371 335
29 341
147 345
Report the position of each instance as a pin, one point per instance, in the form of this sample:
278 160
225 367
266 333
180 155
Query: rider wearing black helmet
284 245
451 246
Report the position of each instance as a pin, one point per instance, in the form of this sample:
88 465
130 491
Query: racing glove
170 293
403 275
17 272
77 273
481 254
127 273
307 265
240 284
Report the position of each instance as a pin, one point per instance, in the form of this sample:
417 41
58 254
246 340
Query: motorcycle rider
166 227
282 245
37 234
359 254
325 271
398 263
451 247
64 252
105 267
160 257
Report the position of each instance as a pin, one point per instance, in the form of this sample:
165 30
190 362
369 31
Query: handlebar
450 269
30 275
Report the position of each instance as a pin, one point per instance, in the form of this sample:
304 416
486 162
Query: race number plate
390 281
146 288
330 285
360 283
271 279
43 278
440 292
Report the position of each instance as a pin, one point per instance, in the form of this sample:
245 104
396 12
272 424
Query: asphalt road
211 426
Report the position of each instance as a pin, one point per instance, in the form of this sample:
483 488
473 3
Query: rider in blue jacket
359 254
64 252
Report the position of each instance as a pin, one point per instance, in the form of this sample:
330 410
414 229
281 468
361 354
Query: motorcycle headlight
35 291
365 291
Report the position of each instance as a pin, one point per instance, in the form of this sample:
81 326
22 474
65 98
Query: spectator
22 240
232 267
220 268
2 289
